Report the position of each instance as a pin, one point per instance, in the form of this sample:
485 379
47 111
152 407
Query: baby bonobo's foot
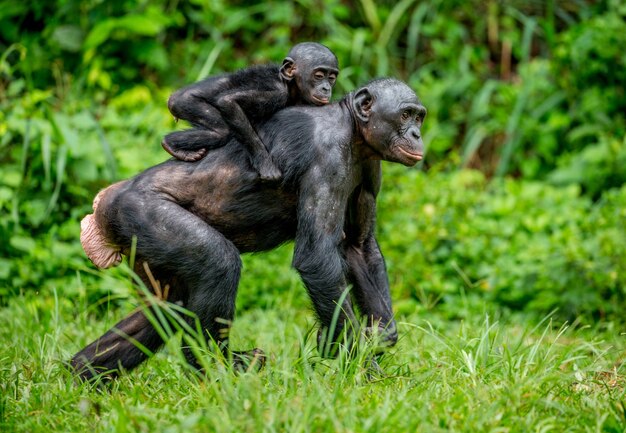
248 360
267 170
174 143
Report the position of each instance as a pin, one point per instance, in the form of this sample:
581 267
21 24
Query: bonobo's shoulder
301 123
326 115
326 124
298 135
257 75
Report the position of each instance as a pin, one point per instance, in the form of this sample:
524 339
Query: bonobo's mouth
413 157
320 100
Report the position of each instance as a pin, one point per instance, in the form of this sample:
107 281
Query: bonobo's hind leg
210 132
125 346
177 245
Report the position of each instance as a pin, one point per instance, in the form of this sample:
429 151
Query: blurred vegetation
529 95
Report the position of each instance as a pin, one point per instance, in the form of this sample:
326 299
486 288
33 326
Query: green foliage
505 86
530 97
596 167
52 164
511 87
521 244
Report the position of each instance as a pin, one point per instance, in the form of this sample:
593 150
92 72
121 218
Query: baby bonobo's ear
363 101
288 69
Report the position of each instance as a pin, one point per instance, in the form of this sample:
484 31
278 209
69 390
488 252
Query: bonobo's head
390 117
311 70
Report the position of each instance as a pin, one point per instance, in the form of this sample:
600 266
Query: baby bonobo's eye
319 75
406 114
332 78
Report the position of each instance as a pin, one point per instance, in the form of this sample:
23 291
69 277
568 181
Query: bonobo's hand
249 360
373 371
382 337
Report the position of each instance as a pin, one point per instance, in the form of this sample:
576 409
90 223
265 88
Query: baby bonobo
237 103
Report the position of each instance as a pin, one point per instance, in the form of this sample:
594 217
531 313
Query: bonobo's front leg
366 266
320 265
368 275
319 260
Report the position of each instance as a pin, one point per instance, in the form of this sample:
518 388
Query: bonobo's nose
415 134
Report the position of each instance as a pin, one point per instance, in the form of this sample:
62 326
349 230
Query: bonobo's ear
288 69
362 104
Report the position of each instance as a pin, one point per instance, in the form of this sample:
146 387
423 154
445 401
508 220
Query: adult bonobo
237 103
192 220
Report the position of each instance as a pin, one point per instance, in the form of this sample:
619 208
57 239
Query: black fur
233 105
192 220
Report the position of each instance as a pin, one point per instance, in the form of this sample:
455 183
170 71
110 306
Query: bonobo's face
313 69
391 119
317 82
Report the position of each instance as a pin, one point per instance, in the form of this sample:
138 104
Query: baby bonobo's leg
193 144
98 249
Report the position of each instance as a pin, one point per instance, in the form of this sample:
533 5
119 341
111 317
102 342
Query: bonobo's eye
406 114
319 75
332 78
421 113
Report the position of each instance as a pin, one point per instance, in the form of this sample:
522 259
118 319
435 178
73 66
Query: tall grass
473 375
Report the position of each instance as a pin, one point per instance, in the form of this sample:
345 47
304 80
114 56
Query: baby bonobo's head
311 70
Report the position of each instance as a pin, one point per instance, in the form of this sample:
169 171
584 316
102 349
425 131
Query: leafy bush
522 244
53 162
533 90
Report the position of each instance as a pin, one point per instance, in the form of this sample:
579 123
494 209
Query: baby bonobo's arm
229 105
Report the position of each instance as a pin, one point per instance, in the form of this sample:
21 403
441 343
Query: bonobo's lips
414 157
321 100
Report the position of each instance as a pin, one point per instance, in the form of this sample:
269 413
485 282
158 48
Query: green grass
478 374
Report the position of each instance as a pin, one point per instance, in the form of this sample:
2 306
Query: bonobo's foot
383 337
248 360
185 145
266 169
84 372
373 371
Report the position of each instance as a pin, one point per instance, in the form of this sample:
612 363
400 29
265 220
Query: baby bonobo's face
316 72
319 85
